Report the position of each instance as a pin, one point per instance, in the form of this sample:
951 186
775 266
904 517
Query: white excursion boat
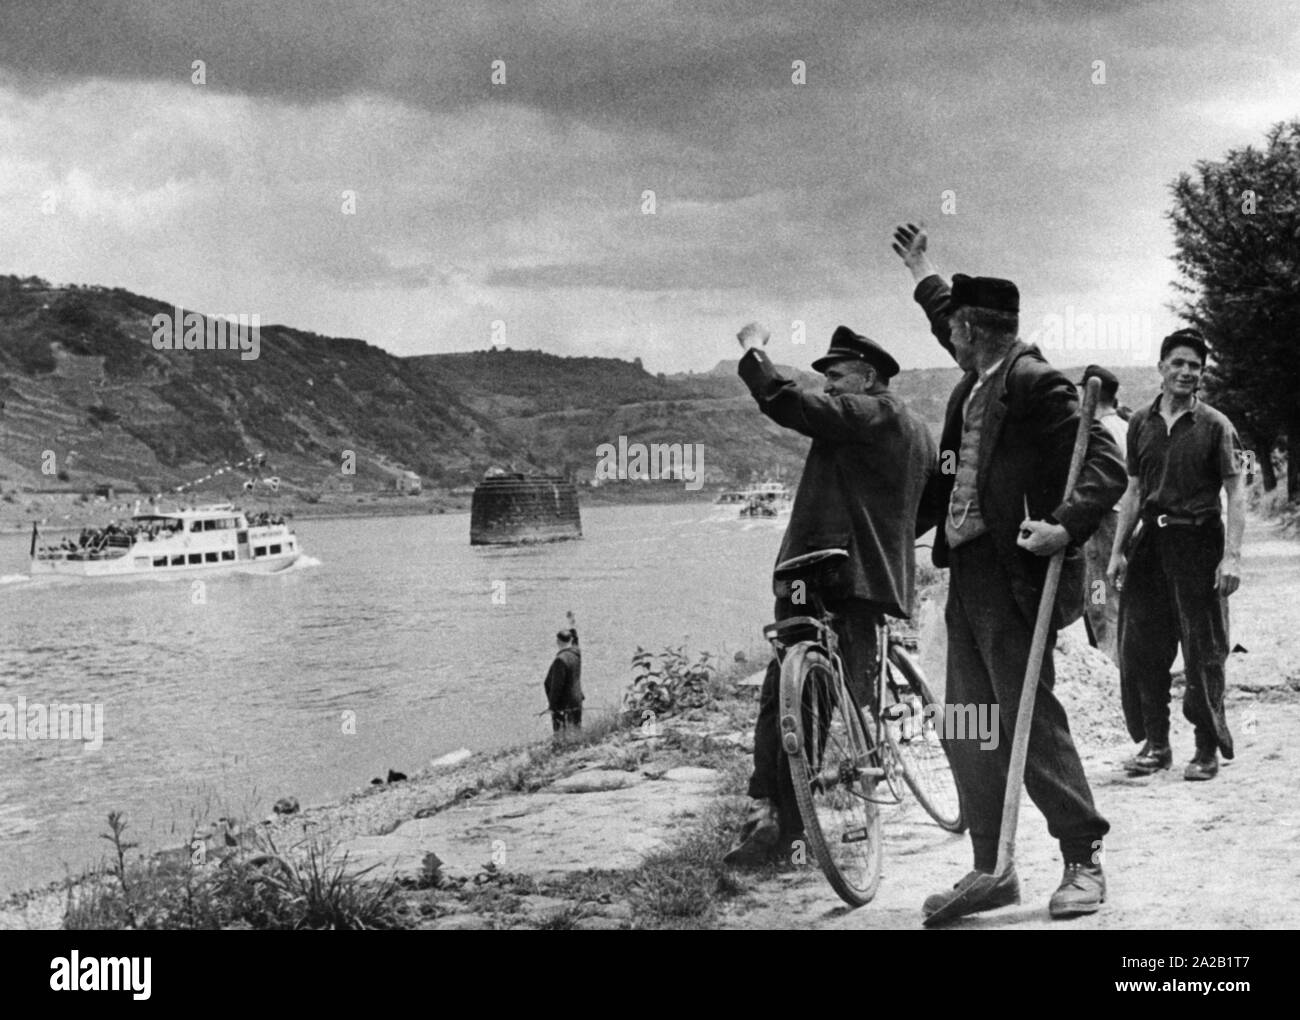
767 499
195 541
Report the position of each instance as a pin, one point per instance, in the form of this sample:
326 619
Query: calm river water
224 706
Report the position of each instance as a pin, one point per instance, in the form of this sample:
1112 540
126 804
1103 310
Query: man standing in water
861 486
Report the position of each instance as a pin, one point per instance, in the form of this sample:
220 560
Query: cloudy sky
523 202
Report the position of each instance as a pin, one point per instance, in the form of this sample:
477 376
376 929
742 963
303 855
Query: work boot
1204 766
792 850
759 836
1151 759
1003 894
1130 763
1205 763
1082 891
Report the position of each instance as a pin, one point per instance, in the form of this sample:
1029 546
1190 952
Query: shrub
668 685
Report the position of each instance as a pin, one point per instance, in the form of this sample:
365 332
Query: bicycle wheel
913 720
834 770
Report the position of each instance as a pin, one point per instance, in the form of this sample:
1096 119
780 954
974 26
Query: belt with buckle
1180 520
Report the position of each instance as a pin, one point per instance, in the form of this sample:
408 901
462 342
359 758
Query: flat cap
1109 381
1185 338
847 345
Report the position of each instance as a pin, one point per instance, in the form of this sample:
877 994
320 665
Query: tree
1237 239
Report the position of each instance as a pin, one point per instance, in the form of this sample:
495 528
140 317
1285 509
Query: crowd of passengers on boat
115 536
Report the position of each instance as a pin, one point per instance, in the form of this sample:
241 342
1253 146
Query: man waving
861 487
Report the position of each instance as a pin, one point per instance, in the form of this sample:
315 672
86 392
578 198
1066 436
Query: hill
87 398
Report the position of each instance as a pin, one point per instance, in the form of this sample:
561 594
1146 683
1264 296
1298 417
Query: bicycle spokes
835 773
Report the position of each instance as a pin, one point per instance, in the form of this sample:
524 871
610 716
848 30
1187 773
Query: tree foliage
1237 237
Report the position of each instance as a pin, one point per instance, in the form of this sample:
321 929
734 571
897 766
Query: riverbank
507 880
627 829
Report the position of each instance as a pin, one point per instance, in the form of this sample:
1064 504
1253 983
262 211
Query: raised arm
932 291
845 418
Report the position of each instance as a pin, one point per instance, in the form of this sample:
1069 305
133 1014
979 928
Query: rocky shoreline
367 826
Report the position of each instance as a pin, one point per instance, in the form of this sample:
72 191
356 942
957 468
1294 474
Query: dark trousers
988 649
856 630
1169 596
567 718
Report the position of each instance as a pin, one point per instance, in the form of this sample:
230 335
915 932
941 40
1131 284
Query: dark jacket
564 681
861 485
1024 453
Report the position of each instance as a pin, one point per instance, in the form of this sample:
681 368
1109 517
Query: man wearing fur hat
1004 457
860 490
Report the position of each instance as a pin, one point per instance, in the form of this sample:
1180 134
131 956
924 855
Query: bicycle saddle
810 566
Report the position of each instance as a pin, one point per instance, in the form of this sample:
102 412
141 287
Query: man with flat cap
860 490
1004 457
1100 596
1183 566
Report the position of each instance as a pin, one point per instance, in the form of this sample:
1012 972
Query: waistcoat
964 518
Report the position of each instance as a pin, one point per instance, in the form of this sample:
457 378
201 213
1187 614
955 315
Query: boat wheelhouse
197 540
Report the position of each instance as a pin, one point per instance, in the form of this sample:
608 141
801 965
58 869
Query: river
394 642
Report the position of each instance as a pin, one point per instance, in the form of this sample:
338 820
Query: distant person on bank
564 683
1176 579
1100 596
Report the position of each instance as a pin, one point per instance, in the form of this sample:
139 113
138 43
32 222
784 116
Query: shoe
1082 891
1151 759
1131 763
1003 894
759 837
792 850
1204 766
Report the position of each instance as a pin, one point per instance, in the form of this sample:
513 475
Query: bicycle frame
871 712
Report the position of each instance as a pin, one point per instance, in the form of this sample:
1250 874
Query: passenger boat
198 540
767 499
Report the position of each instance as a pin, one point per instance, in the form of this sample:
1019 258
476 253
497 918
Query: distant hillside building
407 482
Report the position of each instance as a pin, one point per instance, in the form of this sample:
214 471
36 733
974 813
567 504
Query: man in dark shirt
1181 452
860 490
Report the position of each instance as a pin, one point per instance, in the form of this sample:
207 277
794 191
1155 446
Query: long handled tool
982 885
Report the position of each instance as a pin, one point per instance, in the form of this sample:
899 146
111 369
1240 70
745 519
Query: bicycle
845 764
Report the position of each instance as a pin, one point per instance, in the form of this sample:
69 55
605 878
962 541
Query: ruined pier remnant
510 509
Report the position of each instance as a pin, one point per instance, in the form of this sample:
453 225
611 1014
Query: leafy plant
668 682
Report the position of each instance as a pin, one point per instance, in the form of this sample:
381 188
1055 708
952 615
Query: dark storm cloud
475 200
645 62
